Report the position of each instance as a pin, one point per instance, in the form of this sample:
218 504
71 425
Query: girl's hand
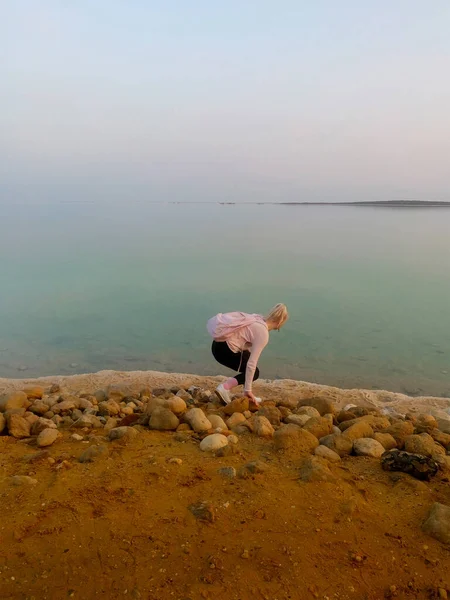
251 397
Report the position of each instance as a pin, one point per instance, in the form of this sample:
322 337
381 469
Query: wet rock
235 419
163 419
213 442
271 413
299 420
217 422
385 439
2 422
357 431
400 431
42 424
18 426
238 405
197 420
34 392
176 404
310 411
19 480
318 426
323 405
262 427
227 472
368 447
293 439
203 511
47 437
123 433
327 454
39 407
13 400
91 453
423 444
338 443
315 468
437 524
420 467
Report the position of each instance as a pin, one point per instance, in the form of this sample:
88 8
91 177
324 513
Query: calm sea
85 287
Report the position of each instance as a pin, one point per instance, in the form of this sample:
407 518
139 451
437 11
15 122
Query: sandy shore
391 402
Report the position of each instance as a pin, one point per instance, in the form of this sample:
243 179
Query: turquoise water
93 286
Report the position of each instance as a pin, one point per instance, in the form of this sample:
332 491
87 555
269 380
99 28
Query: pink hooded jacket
241 331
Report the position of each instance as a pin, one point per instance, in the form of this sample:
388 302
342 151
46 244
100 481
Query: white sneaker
223 394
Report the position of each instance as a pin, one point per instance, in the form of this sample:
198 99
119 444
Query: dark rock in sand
203 511
420 467
91 453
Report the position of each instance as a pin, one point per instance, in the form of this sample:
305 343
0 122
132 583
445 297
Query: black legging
233 360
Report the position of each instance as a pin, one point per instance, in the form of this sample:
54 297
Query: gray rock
213 442
327 454
18 480
309 411
91 453
368 447
299 420
88 421
197 420
338 443
437 524
42 424
315 468
47 437
162 419
39 407
227 472
119 433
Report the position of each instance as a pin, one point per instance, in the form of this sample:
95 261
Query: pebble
47 437
227 472
175 461
77 437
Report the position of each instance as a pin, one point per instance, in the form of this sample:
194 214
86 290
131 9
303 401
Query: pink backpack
224 325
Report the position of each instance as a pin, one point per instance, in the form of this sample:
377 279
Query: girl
239 338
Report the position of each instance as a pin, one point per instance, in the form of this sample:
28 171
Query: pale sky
244 100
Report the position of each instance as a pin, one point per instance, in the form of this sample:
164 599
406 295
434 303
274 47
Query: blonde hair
278 315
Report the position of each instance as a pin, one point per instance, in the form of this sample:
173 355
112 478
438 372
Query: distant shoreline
378 203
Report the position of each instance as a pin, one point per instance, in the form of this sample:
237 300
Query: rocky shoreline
65 439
